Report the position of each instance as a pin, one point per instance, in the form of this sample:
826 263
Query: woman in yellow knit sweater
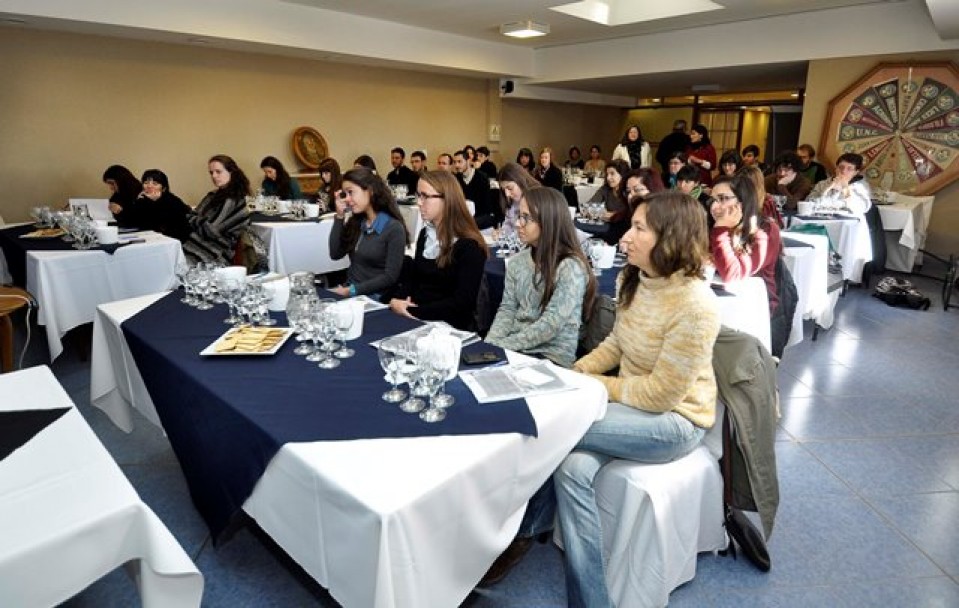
664 397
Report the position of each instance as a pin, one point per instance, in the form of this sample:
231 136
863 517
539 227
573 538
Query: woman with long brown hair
221 217
549 287
442 281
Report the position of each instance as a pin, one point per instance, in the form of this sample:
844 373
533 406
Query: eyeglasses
524 218
724 198
423 197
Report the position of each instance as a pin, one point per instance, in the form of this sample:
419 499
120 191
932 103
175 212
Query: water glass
388 351
343 320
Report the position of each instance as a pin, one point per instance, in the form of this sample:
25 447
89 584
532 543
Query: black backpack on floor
900 292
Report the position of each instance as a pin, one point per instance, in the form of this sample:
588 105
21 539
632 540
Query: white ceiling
481 18
750 45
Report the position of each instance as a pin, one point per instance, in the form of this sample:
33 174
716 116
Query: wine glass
297 311
432 378
343 320
444 361
388 351
411 367
231 289
594 249
326 328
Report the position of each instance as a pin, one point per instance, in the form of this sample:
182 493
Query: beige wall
755 127
536 124
71 105
656 124
827 79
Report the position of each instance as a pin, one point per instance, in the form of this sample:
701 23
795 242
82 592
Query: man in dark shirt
418 161
677 141
401 175
476 188
814 171
484 164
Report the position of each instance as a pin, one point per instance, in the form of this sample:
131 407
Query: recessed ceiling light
524 29
794 94
198 41
622 12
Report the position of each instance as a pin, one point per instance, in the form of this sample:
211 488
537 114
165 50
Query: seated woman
331 181
730 163
742 242
374 237
549 287
641 183
664 397
277 182
124 190
768 208
514 183
595 165
365 160
847 189
677 160
612 195
160 210
546 173
575 160
442 281
221 217
524 158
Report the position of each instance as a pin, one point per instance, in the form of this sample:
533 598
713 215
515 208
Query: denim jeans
625 433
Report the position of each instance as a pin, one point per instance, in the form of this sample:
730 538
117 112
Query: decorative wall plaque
309 147
904 120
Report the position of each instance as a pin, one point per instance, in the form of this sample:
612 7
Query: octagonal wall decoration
904 120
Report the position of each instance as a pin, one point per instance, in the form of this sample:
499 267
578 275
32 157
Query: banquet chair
12 299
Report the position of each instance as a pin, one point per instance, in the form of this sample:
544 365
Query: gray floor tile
928 520
900 593
876 468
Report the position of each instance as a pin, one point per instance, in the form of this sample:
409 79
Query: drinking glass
411 368
297 312
432 379
388 351
231 289
343 319
443 361
203 288
326 329
594 248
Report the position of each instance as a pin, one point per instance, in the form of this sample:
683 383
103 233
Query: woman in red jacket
701 154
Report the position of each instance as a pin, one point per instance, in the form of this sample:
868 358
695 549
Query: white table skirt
851 240
299 246
748 309
68 516
585 192
905 223
390 522
809 267
68 285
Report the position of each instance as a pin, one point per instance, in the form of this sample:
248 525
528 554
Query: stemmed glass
325 326
261 300
432 378
388 351
412 363
443 360
343 320
297 313
231 289
594 250
202 286
181 270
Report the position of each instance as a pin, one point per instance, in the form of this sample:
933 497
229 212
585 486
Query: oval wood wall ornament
904 120
309 147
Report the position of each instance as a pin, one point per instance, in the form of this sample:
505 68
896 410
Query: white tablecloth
851 239
68 285
906 219
809 267
68 515
393 522
585 192
748 309
297 246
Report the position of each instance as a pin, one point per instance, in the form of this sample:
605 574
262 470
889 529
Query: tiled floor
868 457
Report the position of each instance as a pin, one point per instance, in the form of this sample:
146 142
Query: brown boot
505 562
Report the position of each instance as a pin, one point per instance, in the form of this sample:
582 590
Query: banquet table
299 246
68 516
69 284
809 267
905 222
411 521
850 237
577 195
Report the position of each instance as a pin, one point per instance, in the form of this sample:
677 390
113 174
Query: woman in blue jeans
663 399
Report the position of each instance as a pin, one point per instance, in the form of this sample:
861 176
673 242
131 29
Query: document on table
505 382
465 337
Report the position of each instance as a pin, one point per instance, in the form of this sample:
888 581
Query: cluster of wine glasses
424 365
204 284
508 243
42 216
400 191
594 250
321 326
592 212
78 227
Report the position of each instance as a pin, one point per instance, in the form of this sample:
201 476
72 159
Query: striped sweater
663 345
215 228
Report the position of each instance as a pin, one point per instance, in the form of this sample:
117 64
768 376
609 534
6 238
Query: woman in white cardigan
633 149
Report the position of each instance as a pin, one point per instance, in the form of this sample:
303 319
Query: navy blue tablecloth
15 249
226 417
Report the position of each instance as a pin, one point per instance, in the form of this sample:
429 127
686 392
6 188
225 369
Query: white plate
210 351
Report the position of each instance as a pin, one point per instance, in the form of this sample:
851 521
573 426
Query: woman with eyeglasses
442 281
744 243
160 210
374 236
549 287
514 183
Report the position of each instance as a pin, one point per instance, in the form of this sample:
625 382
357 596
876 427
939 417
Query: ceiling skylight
622 12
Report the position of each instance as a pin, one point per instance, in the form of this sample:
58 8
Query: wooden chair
11 300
